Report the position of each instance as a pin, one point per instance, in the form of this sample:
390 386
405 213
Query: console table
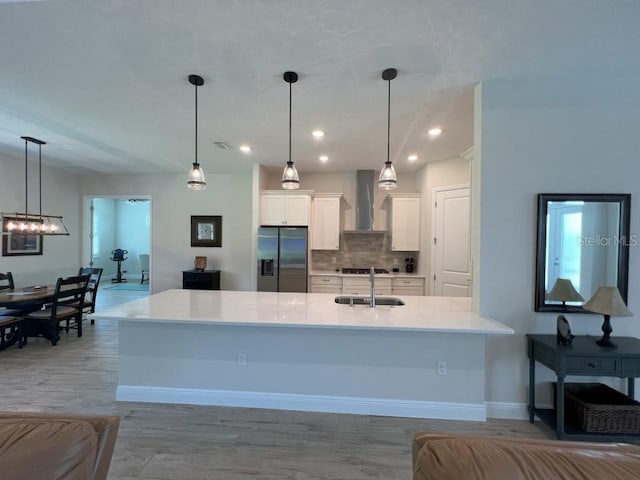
201 279
584 358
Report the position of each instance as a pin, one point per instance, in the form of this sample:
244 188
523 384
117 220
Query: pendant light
290 178
196 180
388 179
27 223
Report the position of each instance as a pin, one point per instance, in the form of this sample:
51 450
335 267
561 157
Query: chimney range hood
365 190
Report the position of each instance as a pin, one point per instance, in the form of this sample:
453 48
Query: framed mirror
583 238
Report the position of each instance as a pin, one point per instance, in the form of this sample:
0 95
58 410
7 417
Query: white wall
446 173
543 137
61 254
172 206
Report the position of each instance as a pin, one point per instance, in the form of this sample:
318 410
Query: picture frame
20 244
206 230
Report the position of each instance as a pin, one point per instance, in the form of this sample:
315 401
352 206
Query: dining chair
144 267
10 319
6 283
68 292
89 305
11 331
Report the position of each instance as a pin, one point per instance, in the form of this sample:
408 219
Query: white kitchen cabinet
404 222
326 284
325 221
290 209
407 286
362 286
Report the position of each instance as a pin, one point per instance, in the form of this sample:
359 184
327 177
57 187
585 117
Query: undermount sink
382 301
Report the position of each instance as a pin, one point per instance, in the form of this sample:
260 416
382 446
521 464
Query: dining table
19 298
25 301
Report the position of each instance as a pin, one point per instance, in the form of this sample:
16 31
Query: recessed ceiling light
323 158
413 157
317 133
245 148
434 132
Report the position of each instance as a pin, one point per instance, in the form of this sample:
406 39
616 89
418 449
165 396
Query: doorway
118 222
451 258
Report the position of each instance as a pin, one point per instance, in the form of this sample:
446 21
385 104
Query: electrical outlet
441 367
242 359
333 260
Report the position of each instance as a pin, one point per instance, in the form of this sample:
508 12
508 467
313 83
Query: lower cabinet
362 286
407 286
326 284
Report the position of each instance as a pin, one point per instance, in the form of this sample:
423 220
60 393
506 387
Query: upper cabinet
325 224
290 209
404 221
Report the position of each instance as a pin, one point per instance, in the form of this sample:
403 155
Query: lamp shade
290 178
563 291
387 179
196 180
608 301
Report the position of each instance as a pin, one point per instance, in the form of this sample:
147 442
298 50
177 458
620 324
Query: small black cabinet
201 280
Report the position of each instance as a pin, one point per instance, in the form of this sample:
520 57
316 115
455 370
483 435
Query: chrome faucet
372 279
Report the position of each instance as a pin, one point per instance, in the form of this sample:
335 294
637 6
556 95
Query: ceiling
104 82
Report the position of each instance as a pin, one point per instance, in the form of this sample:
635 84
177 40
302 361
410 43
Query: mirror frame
624 200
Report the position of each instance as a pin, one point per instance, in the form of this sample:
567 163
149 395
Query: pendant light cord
26 182
40 176
388 121
196 149
289 122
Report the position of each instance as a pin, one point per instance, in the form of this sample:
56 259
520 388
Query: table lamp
608 301
563 291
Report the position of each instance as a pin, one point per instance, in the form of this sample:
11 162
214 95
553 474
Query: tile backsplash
361 250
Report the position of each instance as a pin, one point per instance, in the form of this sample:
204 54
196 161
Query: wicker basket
597 408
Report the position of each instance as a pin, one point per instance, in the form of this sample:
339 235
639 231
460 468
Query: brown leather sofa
45 446
450 457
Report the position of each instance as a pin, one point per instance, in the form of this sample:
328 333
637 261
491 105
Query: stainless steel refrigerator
282 259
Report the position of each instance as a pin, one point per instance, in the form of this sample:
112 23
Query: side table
201 279
584 358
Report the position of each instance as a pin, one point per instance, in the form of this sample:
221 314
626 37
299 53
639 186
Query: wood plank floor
162 442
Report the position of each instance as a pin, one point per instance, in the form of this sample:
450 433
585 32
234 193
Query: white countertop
320 273
305 310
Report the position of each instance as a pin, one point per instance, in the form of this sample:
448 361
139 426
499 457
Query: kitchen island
304 352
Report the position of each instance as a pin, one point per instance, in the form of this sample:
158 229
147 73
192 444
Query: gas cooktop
363 271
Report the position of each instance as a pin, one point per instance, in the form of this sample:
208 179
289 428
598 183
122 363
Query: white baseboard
507 410
306 403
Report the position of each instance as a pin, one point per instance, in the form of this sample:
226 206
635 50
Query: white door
452 243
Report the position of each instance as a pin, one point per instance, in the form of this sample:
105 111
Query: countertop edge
501 331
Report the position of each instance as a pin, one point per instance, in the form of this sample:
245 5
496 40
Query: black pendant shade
290 178
388 179
196 180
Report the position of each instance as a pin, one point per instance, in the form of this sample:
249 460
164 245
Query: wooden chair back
95 274
69 291
6 281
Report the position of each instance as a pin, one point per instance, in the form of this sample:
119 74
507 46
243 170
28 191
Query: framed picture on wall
16 244
206 230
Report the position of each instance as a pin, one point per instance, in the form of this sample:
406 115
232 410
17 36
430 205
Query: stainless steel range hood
365 191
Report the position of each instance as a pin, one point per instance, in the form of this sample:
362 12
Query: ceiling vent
222 145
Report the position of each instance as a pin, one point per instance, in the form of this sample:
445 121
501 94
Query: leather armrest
461 457
105 427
